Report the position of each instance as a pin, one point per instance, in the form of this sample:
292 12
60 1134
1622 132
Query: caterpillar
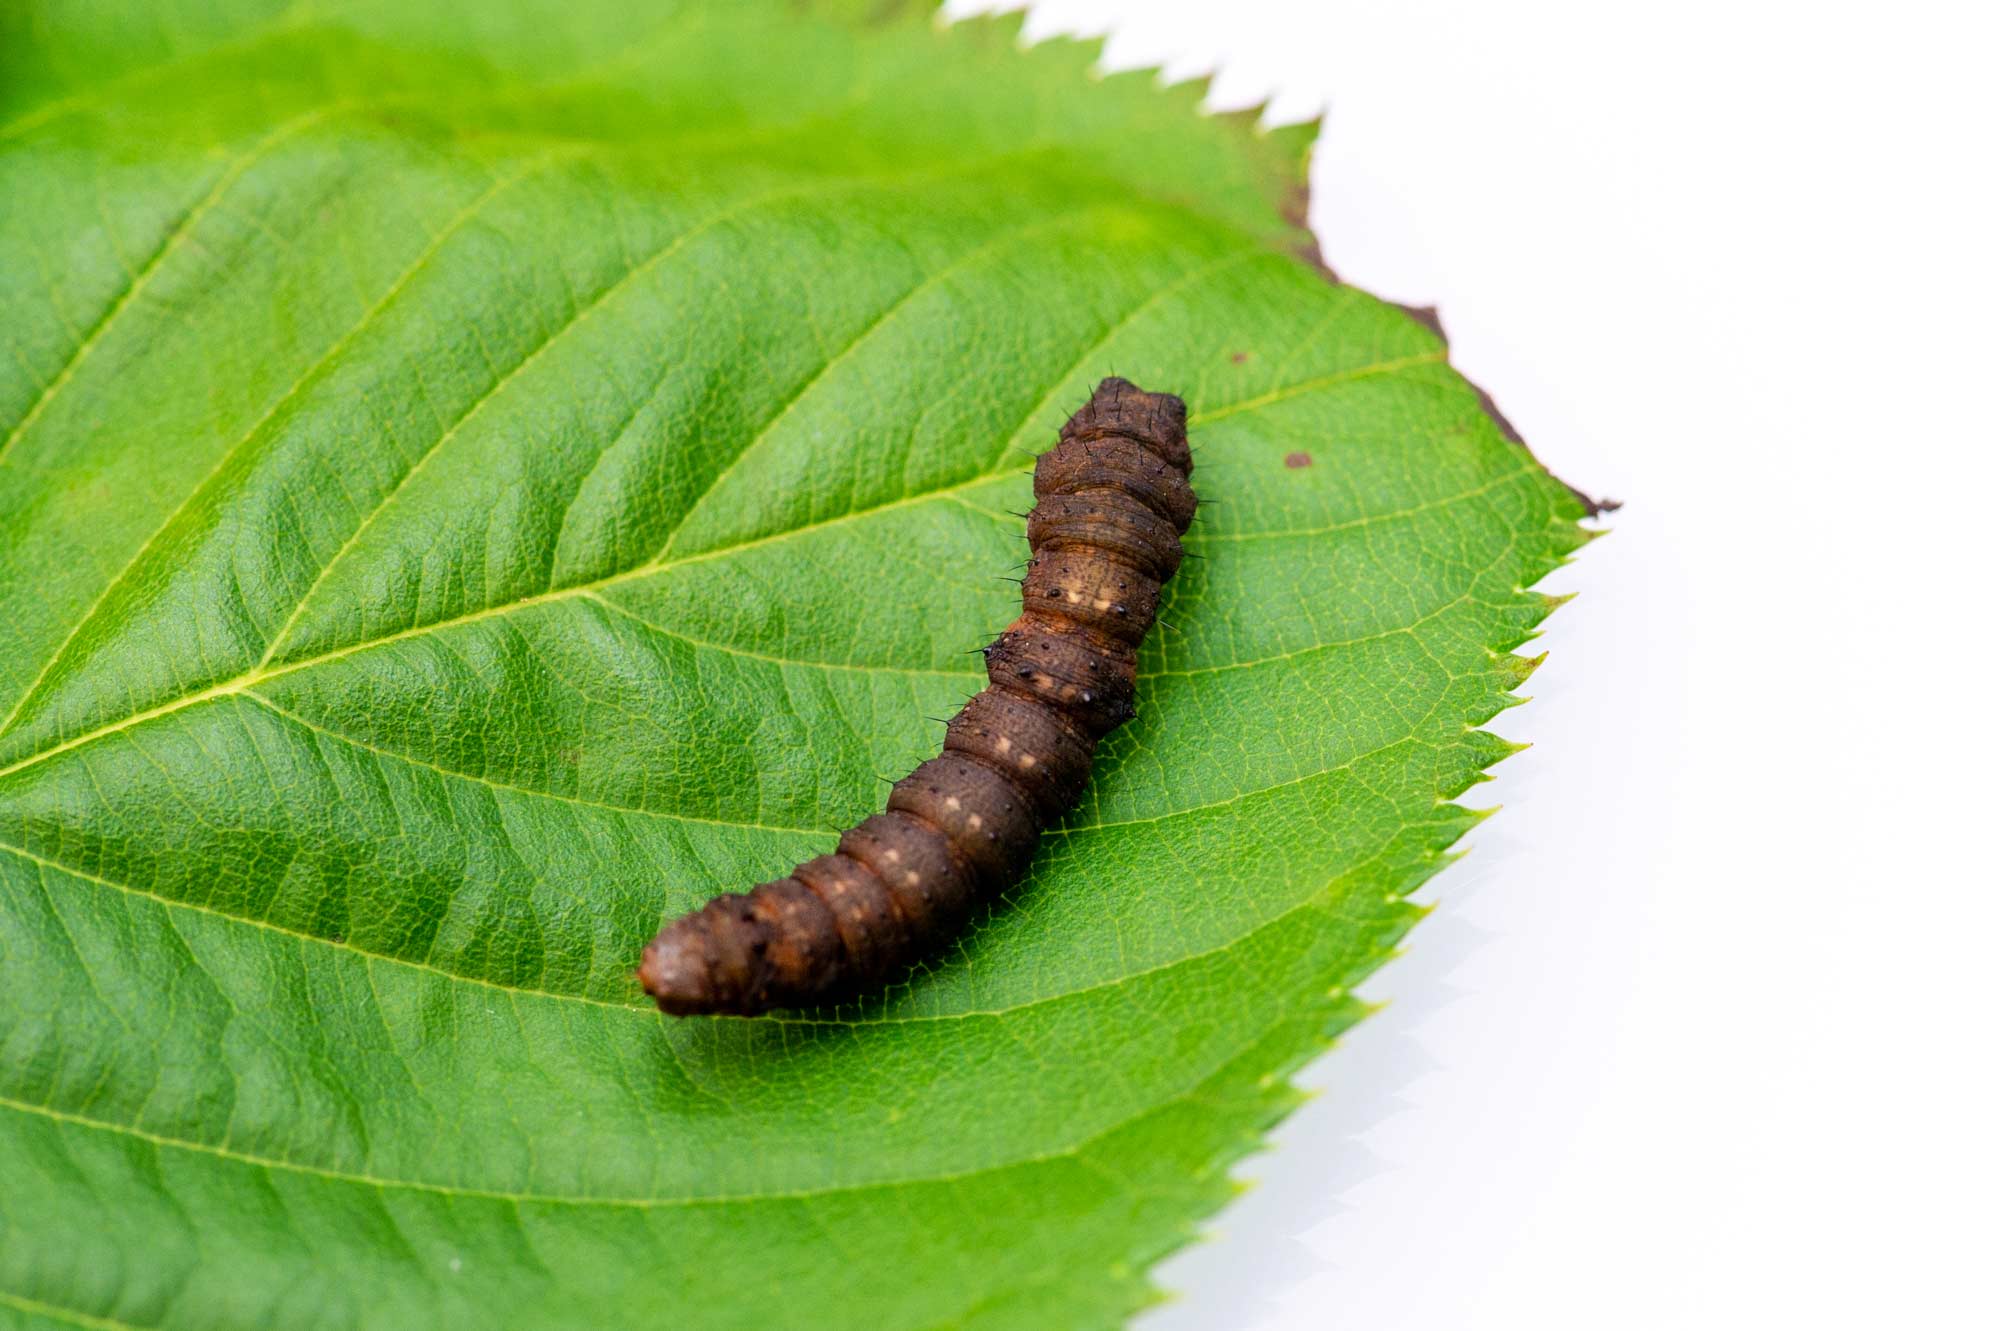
1112 500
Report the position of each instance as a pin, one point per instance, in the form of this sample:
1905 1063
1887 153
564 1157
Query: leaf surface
476 480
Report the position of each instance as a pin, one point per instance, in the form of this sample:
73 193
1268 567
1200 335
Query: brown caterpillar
1112 500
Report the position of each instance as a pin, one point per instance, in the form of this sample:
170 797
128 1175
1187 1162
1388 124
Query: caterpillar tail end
674 970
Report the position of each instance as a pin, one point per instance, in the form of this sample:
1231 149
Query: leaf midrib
258 676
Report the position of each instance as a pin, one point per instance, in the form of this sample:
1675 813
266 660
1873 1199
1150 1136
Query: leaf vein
176 237
395 288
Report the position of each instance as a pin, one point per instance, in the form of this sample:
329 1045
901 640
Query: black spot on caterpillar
1111 502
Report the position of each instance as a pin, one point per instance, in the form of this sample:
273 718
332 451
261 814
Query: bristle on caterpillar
1112 500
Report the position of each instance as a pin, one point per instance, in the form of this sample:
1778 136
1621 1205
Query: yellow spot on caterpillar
910 878
1027 760
1101 603
951 802
893 855
974 822
1003 744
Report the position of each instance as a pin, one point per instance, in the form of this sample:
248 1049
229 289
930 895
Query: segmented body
1112 501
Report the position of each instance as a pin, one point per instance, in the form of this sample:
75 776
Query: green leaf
476 479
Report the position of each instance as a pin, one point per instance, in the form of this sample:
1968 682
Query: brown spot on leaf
1297 460
1237 358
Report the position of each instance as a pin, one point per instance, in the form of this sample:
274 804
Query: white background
1703 1032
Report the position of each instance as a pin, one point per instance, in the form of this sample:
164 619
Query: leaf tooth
1248 118
1082 51
1191 92
1296 135
1515 669
1008 23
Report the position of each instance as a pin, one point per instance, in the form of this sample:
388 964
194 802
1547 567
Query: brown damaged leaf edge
1427 315
1307 251
1112 500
